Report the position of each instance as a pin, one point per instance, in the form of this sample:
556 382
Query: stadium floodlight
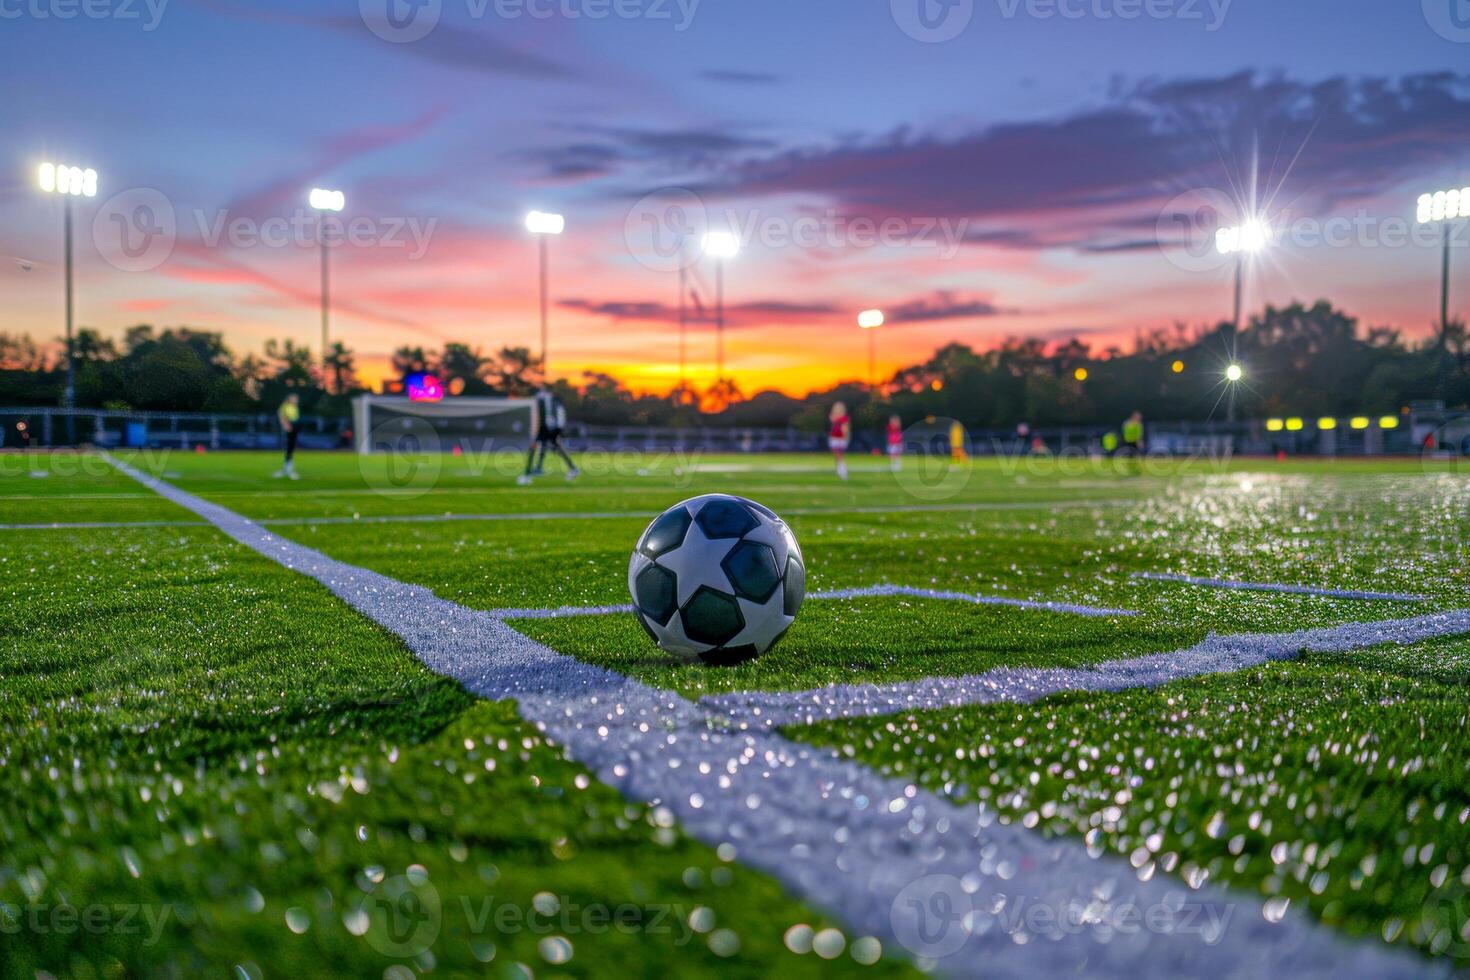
871 320
1327 423
720 245
1442 207
1388 422
1234 372
1250 237
1242 241
1294 425
1275 425
69 182
1360 422
544 224
323 201
58 178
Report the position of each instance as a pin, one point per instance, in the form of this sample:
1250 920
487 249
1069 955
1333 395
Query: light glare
1251 237
1443 205
868 319
55 178
545 223
721 245
1234 373
326 200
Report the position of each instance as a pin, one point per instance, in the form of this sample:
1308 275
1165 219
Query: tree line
1297 360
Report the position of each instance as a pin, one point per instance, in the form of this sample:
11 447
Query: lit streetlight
324 201
871 320
720 245
1442 207
69 182
543 225
1233 374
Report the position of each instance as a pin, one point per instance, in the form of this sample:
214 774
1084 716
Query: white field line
1215 655
560 515
99 525
865 847
563 612
1225 583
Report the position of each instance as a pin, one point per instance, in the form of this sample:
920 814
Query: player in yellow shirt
289 415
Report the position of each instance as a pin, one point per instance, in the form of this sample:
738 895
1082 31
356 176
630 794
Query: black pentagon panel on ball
751 568
761 510
666 533
654 590
795 585
725 518
712 617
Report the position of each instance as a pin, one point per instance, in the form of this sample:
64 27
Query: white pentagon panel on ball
716 578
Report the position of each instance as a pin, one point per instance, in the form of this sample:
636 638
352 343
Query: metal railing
1425 429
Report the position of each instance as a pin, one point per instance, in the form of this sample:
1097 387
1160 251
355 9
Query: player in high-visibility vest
289 416
957 443
1133 434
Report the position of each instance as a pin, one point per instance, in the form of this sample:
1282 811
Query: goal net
393 424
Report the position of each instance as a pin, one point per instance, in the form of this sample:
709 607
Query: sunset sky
1034 175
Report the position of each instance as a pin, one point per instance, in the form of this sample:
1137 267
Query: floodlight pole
326 293
1444 313
1239 288
68 398
872 361
545 302
719 320
1444 283
683 319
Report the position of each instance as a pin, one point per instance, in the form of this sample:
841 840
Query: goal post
395 424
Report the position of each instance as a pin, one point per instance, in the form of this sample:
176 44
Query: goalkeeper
551 416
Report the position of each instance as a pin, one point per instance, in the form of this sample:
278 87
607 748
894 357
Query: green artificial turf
1340 783
186 726
208 765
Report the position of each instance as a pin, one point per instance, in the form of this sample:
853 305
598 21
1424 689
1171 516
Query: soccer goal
393 424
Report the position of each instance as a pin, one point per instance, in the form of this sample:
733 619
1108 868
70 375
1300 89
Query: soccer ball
717 579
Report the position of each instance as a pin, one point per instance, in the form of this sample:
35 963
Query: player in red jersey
895 443
839 437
